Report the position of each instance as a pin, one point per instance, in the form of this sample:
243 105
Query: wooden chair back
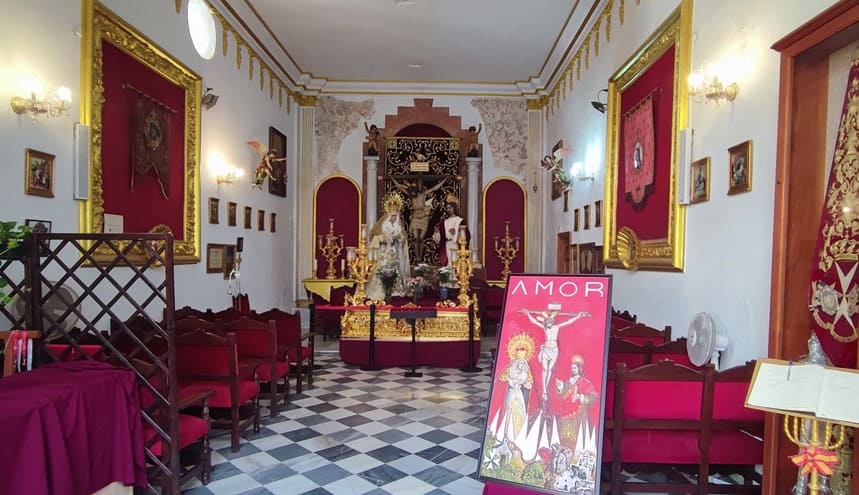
640 333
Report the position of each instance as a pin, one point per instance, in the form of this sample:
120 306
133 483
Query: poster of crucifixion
546 404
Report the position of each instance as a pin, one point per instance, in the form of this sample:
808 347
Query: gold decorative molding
582 54
178 6
447 326
623 248
264 69
306 100
108 27
538 104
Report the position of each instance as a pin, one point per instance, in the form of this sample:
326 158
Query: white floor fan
55 306
704 341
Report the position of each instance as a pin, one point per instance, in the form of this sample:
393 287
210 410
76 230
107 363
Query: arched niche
337 197
504 200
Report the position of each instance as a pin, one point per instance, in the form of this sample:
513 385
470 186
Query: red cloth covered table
70 428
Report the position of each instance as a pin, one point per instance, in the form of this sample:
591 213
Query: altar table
441 341
70 428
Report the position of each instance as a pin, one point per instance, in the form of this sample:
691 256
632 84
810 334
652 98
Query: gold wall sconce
55 104
710 83
229 174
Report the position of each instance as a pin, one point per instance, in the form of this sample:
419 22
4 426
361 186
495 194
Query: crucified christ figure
421 203
547 320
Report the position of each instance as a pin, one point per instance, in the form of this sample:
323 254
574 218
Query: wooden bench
682 424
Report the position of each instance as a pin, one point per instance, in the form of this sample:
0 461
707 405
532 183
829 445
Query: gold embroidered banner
834 293
638 152
150 131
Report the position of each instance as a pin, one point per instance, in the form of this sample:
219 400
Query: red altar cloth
398 353
70 428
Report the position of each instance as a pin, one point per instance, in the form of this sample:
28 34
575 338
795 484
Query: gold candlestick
463 267
360 267
815 447
330 245
506 248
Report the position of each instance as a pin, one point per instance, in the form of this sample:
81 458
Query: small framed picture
214 258
586 213
598 213
40 227
39 173
700 181
248 211
574 258
260 219
231 214
566 201
229 260
740 168
272 222
576 220
214 210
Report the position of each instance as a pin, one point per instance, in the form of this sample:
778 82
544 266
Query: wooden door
562 253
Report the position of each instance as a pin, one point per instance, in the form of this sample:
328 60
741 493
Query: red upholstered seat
222 392
256 341
292 344
264 372
292 354
191 429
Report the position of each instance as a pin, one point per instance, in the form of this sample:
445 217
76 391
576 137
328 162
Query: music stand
411 315
470 365
371 342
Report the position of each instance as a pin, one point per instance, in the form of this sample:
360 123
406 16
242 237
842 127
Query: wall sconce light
597 104
209 99
709 83
229 174
55 104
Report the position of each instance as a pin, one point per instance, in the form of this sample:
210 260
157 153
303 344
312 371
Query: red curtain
337 198
504 201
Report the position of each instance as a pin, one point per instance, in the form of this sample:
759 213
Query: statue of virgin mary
389 239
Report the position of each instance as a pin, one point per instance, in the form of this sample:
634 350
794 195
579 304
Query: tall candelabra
463 267
330 245
360 267
506 248
818 442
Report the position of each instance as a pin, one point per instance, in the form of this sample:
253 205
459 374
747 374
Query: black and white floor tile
362 433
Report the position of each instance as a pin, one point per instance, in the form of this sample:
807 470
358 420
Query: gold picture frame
103 26
214 258
664 251
597 213
39 173
586 215
576 220
272 222
740 168
700 183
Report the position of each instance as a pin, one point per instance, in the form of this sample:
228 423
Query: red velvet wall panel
504 201
651 222
145 207
423 130
337 198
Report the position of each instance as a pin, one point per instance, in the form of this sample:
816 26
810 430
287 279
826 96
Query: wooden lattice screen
57 285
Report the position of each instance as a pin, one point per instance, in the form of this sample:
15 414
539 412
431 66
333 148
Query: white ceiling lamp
404 2
201 25
414 64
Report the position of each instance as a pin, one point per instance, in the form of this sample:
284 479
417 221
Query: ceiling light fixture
413 64
404 2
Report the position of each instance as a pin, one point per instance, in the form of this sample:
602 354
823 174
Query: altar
441 341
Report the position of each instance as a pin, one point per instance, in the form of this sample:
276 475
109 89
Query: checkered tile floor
357 432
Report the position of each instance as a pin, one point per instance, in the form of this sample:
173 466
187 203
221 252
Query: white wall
36 38
729 238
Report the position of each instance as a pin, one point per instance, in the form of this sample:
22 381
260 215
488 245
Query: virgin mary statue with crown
390 240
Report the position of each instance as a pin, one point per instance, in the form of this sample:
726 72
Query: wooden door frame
562 248
799 191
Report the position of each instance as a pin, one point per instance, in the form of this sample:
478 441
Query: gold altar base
449 325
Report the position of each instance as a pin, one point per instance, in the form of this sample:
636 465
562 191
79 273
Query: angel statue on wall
265 169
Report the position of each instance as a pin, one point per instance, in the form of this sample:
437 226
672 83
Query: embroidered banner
150 130
833 292
638 152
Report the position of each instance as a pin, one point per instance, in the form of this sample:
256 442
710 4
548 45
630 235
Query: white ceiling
455 41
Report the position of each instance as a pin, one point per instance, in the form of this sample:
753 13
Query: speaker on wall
81 161
684 162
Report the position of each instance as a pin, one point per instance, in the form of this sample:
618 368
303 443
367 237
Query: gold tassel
620 12
596 32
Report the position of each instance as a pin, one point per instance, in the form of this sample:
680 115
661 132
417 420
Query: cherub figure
265 168
373 137
473 148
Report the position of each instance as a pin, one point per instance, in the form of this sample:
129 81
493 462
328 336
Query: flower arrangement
445 275
11 236
553 164
417 283
388 275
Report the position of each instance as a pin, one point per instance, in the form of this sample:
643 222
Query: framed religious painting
214 258
557 187
248 212
549 411
214 210
229 261
144 118
277 143
272 222
700 181
260 220
647 106
231 213
586 216
576 220
740 168
598 213
39 173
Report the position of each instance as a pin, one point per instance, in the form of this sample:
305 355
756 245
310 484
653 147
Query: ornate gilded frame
100 24
624 248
